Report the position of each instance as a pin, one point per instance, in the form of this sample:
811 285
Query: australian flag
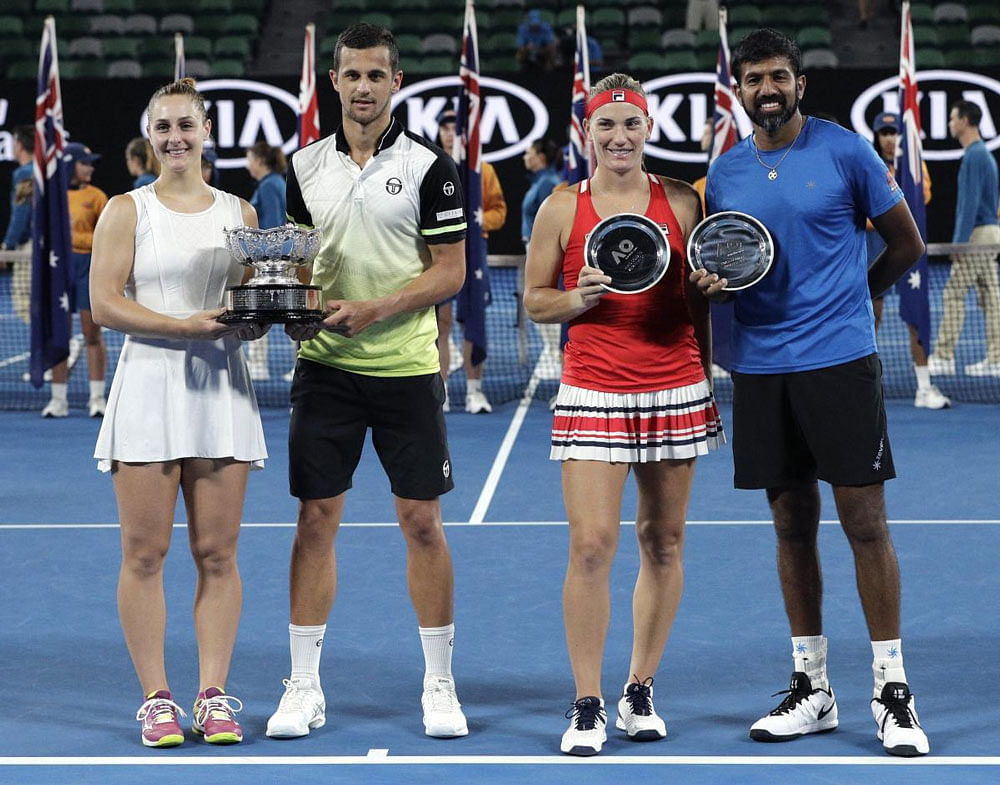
475 294
180 64
308 105
914 303
577 159
50 228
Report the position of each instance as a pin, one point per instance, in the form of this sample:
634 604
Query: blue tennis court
68 693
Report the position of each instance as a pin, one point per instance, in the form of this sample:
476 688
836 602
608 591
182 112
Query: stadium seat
678 60
924 36
177 23
956 58
950 13
255 7
232 69
52 6
123 7
819 58
198 47
82 69
814 38
983 13
434 65
408 43
215 6
85 6
156 48
566 18
154 7
930 57
140 24
16 49
233 47
106 25
743 15
644 15
121 48
985 35
23 69
85 47
241 24
124 69
645 61
706 39
501 43
17 7
678 38
984 57
608 20
706 59
212 25
644 40
953 36
197 68
439 43
921 14
158 69
352 5
375 18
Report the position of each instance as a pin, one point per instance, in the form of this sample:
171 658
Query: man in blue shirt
976 223
19 226
807 392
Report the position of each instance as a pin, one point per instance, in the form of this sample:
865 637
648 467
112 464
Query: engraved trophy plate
273 294
630 248
734 246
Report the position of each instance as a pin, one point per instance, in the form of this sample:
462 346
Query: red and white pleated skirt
679 423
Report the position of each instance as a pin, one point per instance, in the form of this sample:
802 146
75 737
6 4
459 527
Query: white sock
809 654
473 386
306 643
96 389
59 391
887 663
923 376
438 644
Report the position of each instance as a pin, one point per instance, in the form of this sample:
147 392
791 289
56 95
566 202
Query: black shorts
827 424
331 413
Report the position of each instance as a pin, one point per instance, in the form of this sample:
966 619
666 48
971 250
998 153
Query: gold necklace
773 170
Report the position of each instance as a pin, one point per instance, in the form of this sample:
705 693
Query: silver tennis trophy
274 293
630 248
734 246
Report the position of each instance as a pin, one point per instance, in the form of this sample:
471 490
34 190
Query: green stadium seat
233 47
215 7
706 59
255 7
953 36
376 18
433 65
119 6
11 27
678 60
743 15
924 36
984 57
154 7
51 6
17 7
122 48
212 25
233 69
16 49
23 69
197 46
929 57
355 5
983 14
156 48
921 14
644 40
607 20
501 44
408 43
498 64
82 69
566 17
706 39
158 69
814 38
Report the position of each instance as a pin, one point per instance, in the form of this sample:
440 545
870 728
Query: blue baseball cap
74 152
886 120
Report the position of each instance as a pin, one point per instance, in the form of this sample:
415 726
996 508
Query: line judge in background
634 398
807 381
494 215
389 204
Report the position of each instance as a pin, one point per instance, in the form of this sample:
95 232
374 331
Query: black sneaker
898 726
804 710
587 727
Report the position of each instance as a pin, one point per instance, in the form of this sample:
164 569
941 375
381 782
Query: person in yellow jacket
86 203
886 141
494 215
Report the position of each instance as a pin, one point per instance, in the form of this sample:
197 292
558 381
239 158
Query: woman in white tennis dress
181 415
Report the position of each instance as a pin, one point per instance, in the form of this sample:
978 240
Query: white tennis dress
175 398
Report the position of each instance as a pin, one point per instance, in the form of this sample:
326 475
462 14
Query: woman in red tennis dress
635 396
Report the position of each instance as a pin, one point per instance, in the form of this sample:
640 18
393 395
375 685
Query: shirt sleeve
295 204
442 210
875 189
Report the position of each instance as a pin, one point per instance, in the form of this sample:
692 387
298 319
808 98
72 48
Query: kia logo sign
679 105
938 91
243 112
512 117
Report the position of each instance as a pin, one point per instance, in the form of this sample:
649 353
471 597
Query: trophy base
271 317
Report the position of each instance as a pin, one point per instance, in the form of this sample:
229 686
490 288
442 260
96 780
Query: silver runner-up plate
630 248
734 246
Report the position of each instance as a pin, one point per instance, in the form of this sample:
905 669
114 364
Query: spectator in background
86 203
976 223
267 165
536 42
494 215
886 139
140 162
209 171
567 47
702 15
18 233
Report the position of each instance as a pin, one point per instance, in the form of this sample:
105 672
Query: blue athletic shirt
813 309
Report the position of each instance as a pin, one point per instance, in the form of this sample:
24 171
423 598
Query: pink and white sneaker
214 717
158 716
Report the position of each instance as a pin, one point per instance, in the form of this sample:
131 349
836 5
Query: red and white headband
616 95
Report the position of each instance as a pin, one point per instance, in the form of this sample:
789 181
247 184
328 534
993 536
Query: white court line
15 359
500 461
498 524
503 760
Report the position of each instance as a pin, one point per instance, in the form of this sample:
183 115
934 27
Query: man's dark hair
763 44
365 36
25 134
969 111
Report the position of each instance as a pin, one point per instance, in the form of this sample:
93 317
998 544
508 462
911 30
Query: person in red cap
886 141
635 397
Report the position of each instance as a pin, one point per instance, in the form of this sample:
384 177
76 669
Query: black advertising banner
517 108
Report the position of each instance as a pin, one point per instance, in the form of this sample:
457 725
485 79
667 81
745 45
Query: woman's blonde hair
186 87
617 82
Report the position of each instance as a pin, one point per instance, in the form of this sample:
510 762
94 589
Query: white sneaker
938 366
983 368
76 344
804 710
259 372
455 359
477 403
56 407
443 717
587 730
96 407
301 708
898 725
931 398
636 715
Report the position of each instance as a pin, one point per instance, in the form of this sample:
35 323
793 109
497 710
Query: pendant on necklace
772 175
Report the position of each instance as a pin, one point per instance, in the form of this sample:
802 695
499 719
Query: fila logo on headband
617 95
